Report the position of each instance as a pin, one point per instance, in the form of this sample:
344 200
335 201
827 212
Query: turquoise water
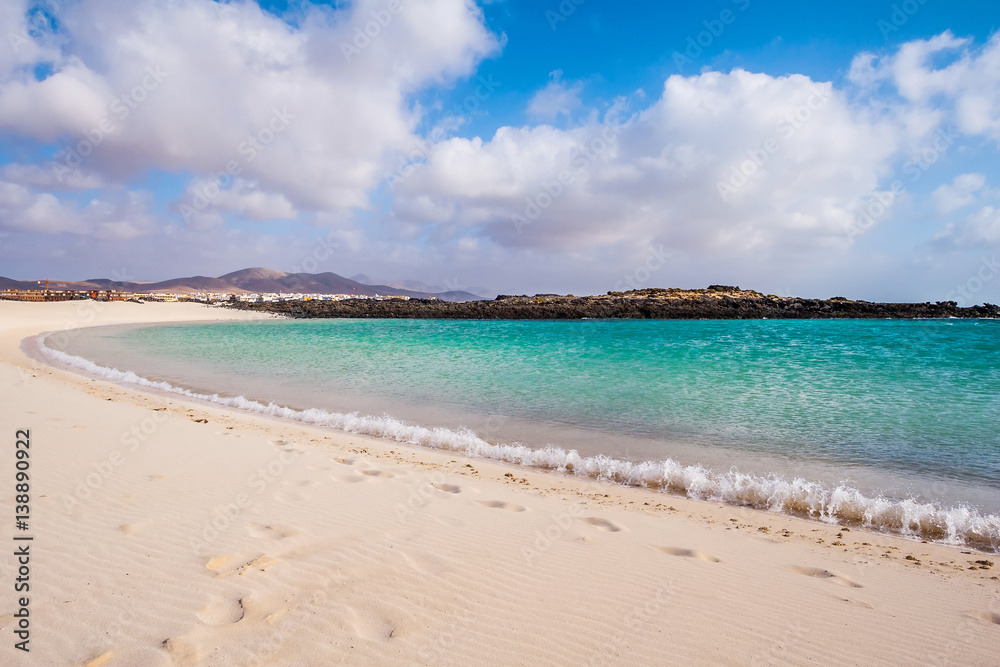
907 411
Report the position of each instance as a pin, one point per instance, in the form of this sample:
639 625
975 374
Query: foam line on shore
960 526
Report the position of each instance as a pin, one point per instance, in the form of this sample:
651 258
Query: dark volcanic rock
719 302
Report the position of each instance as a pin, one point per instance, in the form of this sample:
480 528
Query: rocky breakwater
718 302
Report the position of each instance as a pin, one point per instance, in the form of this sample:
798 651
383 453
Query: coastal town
44 294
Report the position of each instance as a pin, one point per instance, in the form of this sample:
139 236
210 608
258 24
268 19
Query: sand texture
168 532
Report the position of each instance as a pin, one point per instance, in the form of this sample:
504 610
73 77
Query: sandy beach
167 532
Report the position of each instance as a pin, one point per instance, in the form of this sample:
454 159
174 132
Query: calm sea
890 424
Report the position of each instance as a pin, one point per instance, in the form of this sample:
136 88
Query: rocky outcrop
718 302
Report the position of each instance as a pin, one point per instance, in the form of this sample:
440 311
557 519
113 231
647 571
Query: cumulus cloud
967 89
959 193
51 176
720 163
732 164
112 218
982 228
244 197
309 112
27 35
556 98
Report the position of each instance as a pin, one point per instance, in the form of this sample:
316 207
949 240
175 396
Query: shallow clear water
890 409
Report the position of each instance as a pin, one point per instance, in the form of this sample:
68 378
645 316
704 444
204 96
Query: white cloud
654 178
25 37
968 88
982 228
113 218
556 98
960 193
240 196
188 86
51 176
70 101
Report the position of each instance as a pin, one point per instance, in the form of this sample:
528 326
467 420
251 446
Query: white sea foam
959 525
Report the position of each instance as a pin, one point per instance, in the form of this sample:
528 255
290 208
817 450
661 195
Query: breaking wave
960 525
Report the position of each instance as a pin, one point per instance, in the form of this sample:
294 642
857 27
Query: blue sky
843 148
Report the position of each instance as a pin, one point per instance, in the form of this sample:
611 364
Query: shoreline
376 552
962 525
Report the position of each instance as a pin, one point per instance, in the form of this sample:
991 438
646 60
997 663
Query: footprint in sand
820 573
859 603
148 657
223 565
448 488
223 612
271 532
603 524
288 496
258 564
99 660
348 479
987 616
372 627
215 564
426 563
182 651
500 505
130 528
378 473
688 553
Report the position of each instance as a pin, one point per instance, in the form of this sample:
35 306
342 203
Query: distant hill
413 285
418 286
246 281
193 284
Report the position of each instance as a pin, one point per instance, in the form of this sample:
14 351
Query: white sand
160 540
